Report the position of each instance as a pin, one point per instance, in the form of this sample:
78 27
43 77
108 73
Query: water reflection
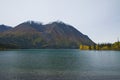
60 60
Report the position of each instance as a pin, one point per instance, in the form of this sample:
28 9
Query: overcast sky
99 19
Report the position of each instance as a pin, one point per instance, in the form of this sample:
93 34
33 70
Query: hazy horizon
99 19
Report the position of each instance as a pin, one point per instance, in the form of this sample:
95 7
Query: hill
4 28
32 34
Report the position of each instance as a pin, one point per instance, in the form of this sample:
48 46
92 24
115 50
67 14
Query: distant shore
104 46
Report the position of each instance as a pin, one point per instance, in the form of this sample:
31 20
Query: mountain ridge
52 35
4 28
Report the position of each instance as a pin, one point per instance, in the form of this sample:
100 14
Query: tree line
102 46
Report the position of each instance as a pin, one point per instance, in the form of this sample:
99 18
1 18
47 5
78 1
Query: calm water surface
63 64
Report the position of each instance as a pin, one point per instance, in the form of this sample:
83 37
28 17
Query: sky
99 19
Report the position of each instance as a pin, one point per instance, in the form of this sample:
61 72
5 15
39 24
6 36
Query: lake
59 64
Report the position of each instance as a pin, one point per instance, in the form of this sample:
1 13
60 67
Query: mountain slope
4 28
36 35
66 35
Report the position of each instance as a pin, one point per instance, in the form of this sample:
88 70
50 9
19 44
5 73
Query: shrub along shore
103 46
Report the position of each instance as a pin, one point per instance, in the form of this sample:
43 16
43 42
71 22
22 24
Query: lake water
59 64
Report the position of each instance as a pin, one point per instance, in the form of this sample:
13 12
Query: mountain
4 28
32 34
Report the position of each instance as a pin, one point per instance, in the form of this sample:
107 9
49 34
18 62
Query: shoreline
58 75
